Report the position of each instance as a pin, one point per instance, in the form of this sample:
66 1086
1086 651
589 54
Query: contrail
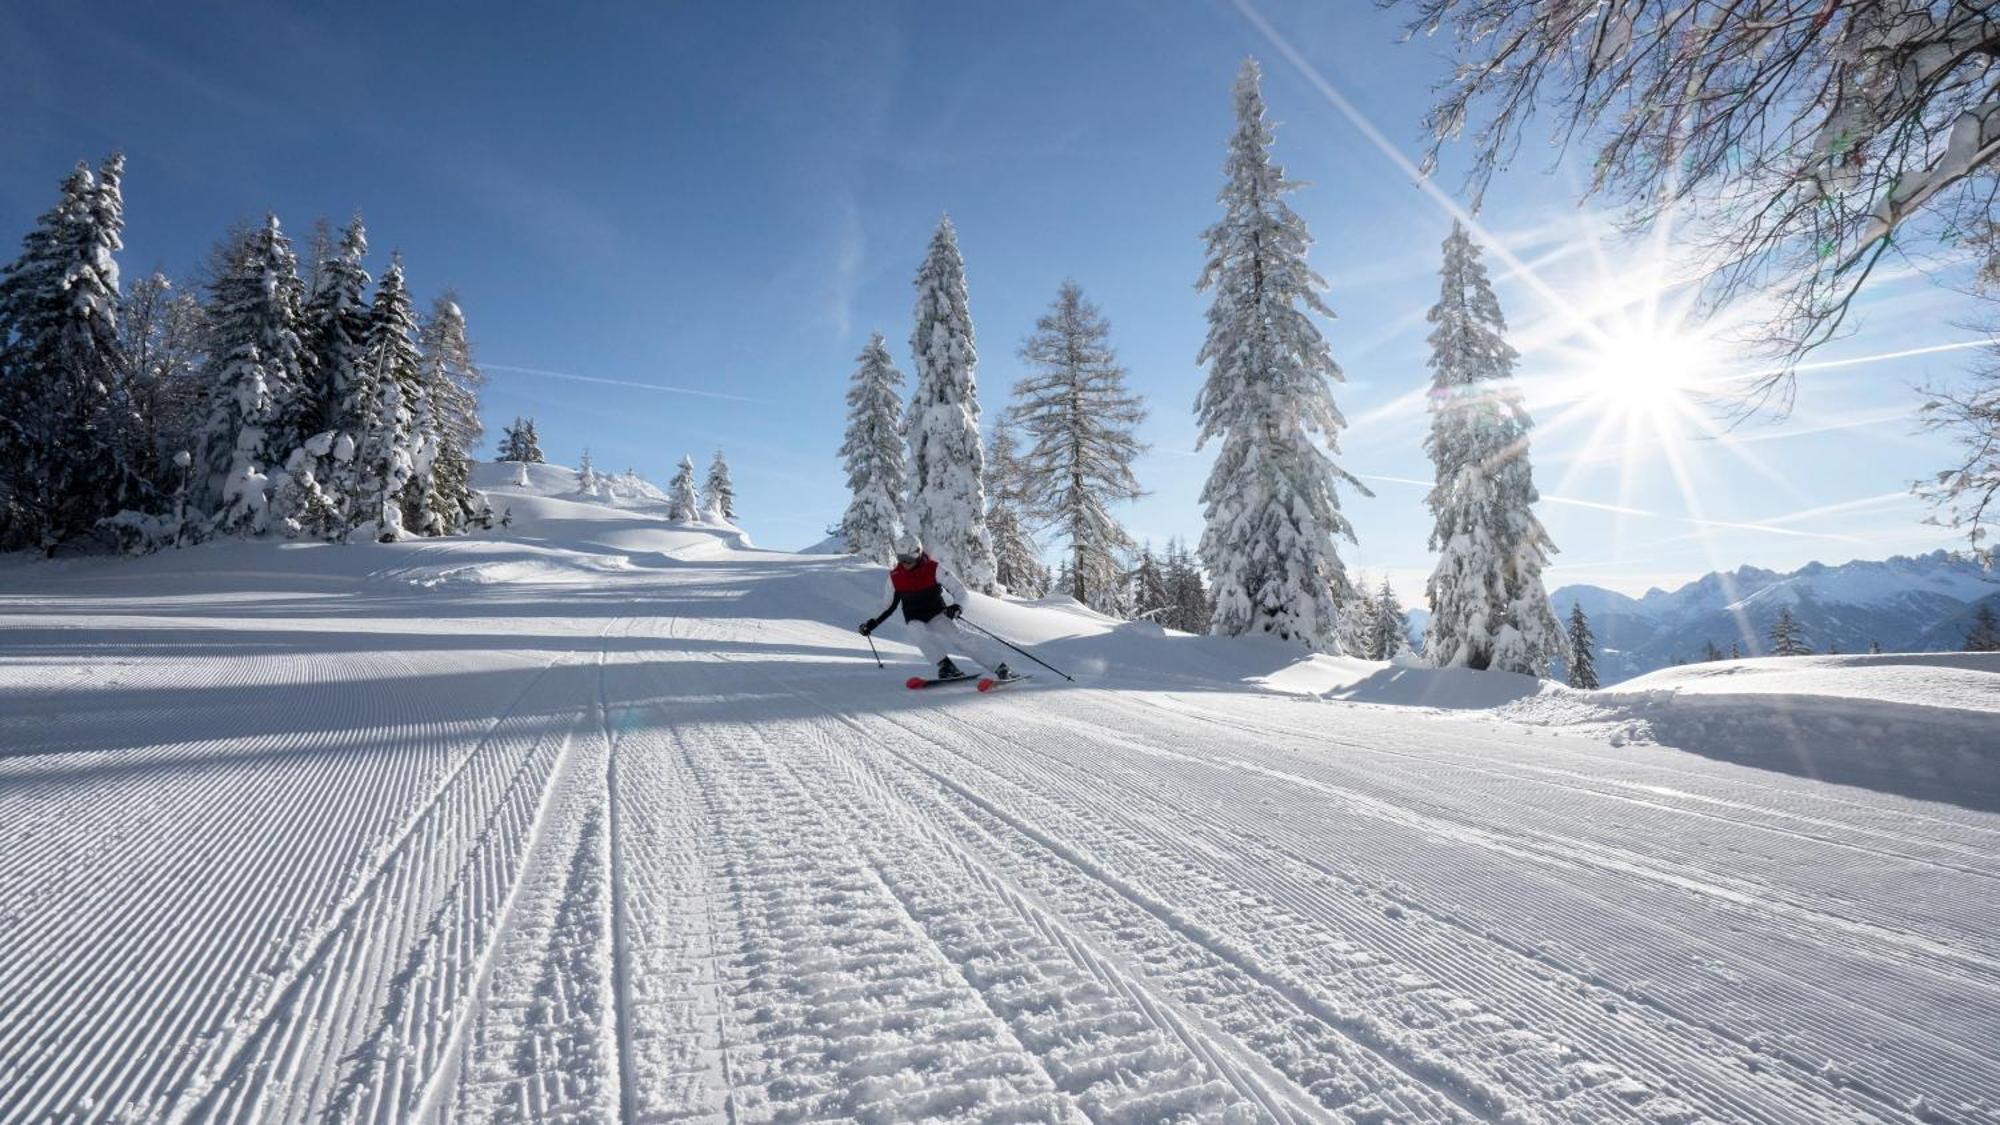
575 378
1696 521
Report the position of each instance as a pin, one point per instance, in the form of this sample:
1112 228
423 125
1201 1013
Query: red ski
917 683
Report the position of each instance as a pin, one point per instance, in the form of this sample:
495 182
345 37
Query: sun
1648 372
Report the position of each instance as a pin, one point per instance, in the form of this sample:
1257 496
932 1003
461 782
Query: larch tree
1270 504
1017 559
163 340
1080 422
451 371
720 493
1582 650
947 502
1488 605
258 366
60 369
1795 145
683 501
873 455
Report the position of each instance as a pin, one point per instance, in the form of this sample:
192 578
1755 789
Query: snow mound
1922 724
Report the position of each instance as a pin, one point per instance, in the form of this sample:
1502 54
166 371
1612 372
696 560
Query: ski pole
1019 649
871 650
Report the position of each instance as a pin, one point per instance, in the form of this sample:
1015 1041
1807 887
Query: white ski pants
940 637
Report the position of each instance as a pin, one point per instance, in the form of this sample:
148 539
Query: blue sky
728 199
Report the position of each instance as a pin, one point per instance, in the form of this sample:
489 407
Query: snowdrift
1921 724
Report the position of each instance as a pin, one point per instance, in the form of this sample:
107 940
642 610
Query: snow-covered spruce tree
947 504
1983 636
60 371
390 446
1390 640
1582 650
1079 420
514 444
440 499
1488 607
683 502
257 366
1152 594
1017 560
1270 505
873 455
1354 625
719 492
339 395
1192 609
1786 637
586 475
532 444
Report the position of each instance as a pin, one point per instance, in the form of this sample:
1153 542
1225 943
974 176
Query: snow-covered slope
597 817
1905 604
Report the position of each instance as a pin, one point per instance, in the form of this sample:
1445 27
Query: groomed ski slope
602 819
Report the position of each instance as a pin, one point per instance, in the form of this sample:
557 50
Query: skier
932 599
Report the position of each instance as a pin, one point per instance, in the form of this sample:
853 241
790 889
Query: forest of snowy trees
270 399
1061 455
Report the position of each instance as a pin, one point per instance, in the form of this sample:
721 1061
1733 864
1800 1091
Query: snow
595 816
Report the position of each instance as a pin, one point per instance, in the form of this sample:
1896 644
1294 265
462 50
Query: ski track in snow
665 846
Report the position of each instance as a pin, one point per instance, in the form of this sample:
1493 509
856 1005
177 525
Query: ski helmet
909 548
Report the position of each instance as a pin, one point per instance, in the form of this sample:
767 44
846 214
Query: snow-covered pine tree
440 499
1079 420
257 369
1984 635
532 446
59 368
391 446
1582 655
1152 594
339 395
873 455
586 475
1270 505
1786 637
1017 560
1391 640
1488 606
719 492
514 445
947 503
1354 626
1709 652
1192 608
683 502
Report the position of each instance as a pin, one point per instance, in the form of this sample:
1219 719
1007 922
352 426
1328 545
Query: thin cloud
575 378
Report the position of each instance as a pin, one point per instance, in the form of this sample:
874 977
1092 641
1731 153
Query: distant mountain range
1904 604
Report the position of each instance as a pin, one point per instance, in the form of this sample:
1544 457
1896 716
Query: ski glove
867 627
954 611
